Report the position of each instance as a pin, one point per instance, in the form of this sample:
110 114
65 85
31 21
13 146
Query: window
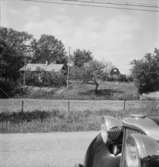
126 132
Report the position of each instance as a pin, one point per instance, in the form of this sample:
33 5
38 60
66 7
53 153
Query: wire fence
28 105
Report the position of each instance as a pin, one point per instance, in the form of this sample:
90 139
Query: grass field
69 113
74 120
83 91
15 105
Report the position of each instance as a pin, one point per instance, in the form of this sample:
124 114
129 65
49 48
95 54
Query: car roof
147 125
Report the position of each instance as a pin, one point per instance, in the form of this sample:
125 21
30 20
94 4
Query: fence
27 105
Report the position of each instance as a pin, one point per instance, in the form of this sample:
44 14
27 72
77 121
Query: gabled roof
42 67
54 67
33 67
115 71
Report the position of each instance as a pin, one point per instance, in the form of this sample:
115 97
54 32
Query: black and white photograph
79 83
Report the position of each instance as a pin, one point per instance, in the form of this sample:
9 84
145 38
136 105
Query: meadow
15 105
75 109
74 120
86 91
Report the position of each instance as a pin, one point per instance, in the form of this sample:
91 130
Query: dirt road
43 149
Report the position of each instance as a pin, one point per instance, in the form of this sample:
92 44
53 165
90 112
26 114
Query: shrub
76 73
146 72
55 79
32 79
7 88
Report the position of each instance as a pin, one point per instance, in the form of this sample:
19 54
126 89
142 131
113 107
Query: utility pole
24 74
68 73
68 68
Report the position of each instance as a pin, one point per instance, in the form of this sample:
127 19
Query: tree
13 50
93 71
12 53
145 72
81 56
15 40
48 49
76 73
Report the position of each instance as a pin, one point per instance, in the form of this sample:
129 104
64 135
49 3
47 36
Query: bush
55 79
7 88
32 79
76 73
146 72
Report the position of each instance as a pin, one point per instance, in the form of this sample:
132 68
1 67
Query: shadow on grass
101 92
56 120
16 117
47 121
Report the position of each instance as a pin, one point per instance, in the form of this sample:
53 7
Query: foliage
7 88
52 79
81 56
56 79
93 71
123 78
48 49
15 40
76 73
13 50
146 72
129 78
12 53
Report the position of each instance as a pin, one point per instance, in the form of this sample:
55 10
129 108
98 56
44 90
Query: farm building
115 74
32 73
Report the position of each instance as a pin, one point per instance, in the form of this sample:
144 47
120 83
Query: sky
112 35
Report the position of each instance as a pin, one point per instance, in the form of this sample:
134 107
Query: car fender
98 155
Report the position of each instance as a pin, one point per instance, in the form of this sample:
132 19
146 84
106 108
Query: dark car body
132 142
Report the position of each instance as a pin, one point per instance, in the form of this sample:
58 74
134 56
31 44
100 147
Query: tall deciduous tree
48 49
146 72
81 56
13 51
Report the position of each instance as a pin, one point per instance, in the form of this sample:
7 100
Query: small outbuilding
38 70
115 74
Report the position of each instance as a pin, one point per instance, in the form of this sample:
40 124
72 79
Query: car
131 142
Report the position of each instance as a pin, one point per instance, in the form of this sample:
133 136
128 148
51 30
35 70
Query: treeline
19 48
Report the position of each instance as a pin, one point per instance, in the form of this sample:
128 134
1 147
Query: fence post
124 104
22 106
68 105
